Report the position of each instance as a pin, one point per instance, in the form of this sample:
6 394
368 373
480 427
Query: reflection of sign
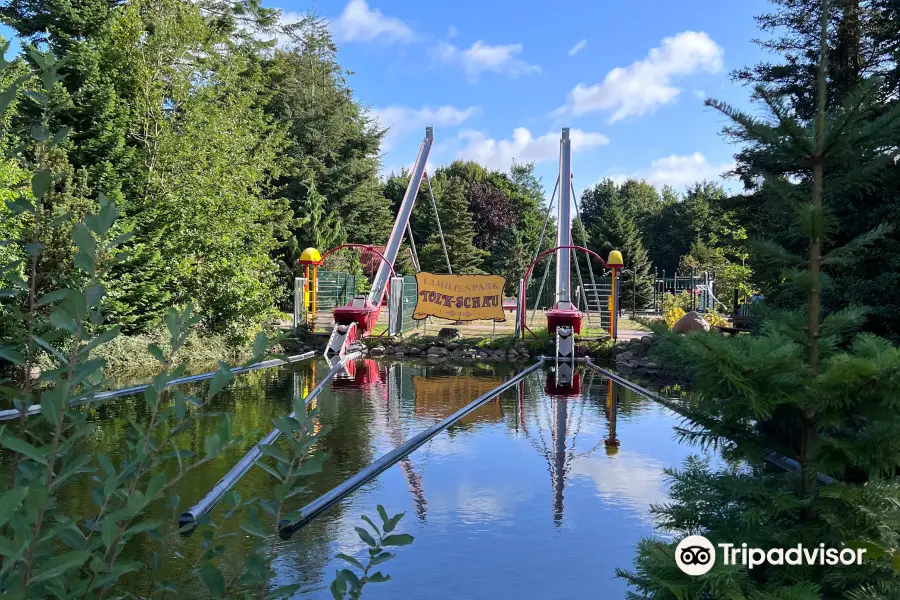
438 397
460 297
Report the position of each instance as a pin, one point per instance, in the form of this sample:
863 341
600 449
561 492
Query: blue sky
498 79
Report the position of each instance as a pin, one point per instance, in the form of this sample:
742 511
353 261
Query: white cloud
481 58
403 119
577 47
359 23
678 171
700 94
523 147
645 85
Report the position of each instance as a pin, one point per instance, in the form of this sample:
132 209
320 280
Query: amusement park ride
564 319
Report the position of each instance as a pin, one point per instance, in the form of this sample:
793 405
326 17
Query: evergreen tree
510 260
614 230
807 387
459 235
331 141
863 38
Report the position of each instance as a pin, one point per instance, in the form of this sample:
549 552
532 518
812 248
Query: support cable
584 242
412 246
438 219
537 251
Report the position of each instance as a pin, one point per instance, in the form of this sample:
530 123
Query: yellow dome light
310 256
615 259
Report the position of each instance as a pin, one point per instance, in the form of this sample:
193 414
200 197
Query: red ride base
552 389
557 317
365 317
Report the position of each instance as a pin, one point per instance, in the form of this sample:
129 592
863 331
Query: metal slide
358 318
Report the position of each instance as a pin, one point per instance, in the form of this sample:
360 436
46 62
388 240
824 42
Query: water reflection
479 491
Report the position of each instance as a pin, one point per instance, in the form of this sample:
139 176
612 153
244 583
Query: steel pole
564 221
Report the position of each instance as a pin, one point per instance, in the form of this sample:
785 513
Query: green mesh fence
335 289
410 292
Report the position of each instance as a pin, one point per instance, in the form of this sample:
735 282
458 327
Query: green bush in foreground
45 552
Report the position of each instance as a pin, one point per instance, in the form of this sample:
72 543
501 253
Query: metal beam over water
329 499
208 502
788 464
13 413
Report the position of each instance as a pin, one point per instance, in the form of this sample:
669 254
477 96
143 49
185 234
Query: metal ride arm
188 519
564 319
359 317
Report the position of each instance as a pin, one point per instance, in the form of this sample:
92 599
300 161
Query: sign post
460 297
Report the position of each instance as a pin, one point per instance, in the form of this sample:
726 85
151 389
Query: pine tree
459 235
510 260
614 230
806 387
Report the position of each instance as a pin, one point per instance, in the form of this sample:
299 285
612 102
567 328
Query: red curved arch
368 247
542 255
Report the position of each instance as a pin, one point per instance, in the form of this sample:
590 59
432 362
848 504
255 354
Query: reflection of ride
365 375
564 419
611 442
361 374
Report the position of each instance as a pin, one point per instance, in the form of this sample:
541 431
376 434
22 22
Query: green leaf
40 133
397 539
58 565
41 182
369 521
260 344
12 355
275 452
156 352
52 297
385 520
212 445
108 531
383 557
46 346
60 135
378 577
10 501
23 448
338 589
351 578
20 205
350 560
366 537
213 579
222 378
393 522
897 561
254 530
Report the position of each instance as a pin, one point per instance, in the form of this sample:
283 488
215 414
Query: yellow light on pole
310 258
614 262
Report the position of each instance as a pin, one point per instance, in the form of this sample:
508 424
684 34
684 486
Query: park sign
460 297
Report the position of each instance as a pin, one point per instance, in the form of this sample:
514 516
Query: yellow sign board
460 297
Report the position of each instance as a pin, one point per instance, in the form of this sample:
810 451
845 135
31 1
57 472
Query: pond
531 496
